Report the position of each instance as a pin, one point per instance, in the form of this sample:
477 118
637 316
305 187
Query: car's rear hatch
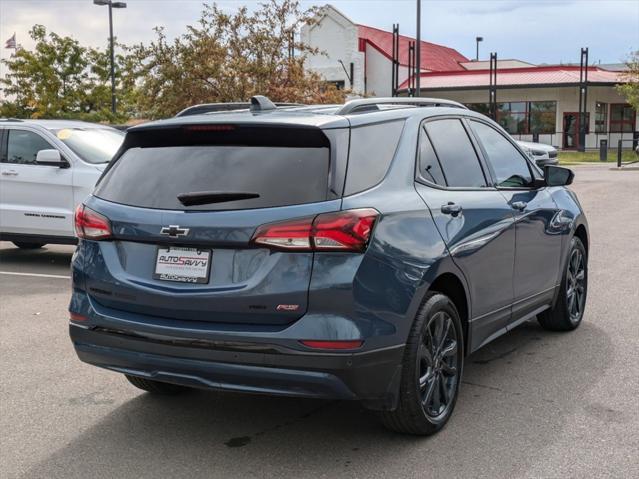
238 178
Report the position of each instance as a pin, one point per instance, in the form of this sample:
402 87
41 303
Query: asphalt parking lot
533 403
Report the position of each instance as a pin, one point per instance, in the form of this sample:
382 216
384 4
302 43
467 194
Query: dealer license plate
184 265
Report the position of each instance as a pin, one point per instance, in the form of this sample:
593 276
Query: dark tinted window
510 167
455 153
23 146
429 167
372 150
153 177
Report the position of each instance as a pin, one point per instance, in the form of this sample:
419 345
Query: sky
537 31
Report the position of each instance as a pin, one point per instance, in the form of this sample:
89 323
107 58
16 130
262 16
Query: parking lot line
37 275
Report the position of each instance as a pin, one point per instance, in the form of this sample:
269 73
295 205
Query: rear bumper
371 376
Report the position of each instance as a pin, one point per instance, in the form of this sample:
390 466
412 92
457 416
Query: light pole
477 40
418 50
111 4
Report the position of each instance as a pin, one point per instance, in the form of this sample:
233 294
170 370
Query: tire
156 387
569 307
28 245
419 411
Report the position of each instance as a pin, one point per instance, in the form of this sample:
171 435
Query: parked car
47 167
311 252
541 153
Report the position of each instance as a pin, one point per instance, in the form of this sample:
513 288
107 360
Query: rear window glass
154 177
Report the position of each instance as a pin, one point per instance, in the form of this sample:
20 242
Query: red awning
534 76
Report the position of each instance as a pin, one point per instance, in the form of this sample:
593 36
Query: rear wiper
207 197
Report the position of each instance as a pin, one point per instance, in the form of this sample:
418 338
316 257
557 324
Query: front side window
510 167
456 154
23 147
622 118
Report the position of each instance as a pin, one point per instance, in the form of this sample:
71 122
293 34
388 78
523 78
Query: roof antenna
261 103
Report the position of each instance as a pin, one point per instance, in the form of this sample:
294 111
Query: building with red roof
538 103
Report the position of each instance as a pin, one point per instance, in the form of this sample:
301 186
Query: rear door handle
519 205
10 173
451 209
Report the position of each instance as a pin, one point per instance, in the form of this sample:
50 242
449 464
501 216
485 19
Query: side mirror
51 158
558 176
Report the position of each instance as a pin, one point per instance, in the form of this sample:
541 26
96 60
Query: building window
513 117
339 84
622 118
482 108
601 117
523 117
542 116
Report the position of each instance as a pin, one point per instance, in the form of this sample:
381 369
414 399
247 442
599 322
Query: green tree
228 57
630 89
59 78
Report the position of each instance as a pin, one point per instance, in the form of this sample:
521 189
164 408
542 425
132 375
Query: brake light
348 230
332 344
91 225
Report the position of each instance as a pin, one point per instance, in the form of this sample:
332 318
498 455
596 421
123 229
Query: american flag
11 43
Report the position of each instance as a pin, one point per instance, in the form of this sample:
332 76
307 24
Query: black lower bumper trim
369 376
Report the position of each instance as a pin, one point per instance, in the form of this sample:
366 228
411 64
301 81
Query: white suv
47 167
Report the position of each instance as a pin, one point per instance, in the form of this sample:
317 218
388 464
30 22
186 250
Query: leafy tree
228 57
59 78
630 90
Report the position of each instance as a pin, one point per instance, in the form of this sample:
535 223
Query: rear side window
23 147
429 167
510 167
154 177
456 154
371 152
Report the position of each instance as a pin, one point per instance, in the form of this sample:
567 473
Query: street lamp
418 51
111 4
477 40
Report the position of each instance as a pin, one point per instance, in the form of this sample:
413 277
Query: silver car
540 153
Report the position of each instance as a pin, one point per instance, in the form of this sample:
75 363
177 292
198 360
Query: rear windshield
154 177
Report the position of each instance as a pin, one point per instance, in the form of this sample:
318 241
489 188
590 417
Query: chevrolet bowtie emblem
173 231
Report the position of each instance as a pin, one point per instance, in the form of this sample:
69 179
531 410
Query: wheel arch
452 286
582 233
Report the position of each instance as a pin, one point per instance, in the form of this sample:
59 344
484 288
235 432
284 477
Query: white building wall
336 37
379 73
567 99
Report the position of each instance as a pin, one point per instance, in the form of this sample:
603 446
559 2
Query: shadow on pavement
513 405
47 260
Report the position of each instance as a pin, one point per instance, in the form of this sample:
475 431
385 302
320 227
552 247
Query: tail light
348 230
91 225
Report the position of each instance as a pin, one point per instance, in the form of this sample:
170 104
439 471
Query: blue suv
355 251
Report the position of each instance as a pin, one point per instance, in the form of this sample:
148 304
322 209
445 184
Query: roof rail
230 106
11 119
372 104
